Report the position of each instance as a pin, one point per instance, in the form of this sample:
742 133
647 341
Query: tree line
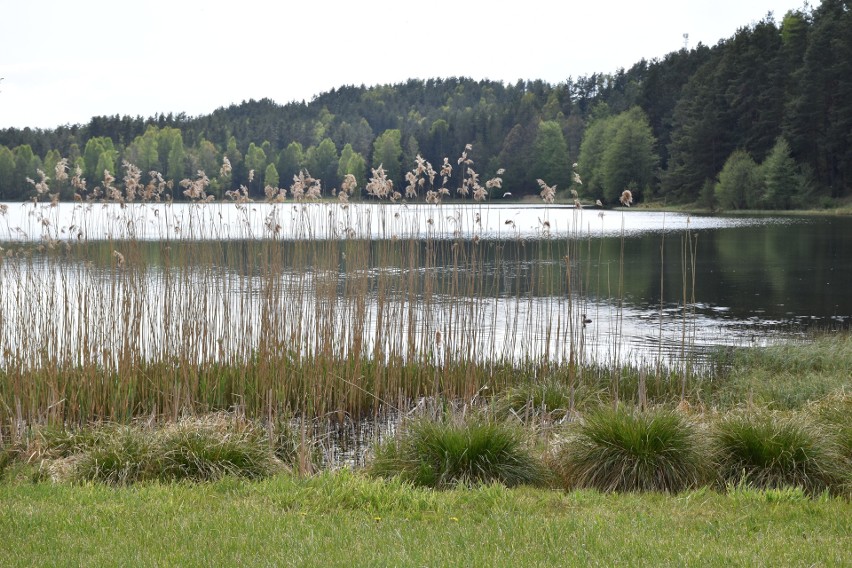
762 119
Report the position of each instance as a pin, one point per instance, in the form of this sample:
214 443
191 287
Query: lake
478 281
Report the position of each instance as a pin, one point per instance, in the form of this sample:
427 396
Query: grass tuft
53 442
196 449
833 413
295 445
549 398
448 454
771 451
212 447
118 456
623 450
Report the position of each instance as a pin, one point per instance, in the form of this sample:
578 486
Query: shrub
447 454
765 450
624 450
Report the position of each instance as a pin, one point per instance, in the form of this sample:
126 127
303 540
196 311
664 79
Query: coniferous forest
761 120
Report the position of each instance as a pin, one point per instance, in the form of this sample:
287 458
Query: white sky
65 61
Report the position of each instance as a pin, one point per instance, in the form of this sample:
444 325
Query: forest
761 120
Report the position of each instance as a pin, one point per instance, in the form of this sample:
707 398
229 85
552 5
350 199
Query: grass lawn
346 519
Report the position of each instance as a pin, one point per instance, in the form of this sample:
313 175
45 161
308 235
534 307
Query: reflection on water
506 282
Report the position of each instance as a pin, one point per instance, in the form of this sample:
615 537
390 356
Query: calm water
649 282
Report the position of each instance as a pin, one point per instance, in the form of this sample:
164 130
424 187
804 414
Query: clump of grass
770 451
628 450
197 449
119 456
550 398
109 452
212 447
448 454
833 412
52 442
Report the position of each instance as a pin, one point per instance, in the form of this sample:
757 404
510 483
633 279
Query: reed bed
114 309
265 326
213 338
117 309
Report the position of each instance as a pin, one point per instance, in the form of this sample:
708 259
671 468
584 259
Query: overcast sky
65 61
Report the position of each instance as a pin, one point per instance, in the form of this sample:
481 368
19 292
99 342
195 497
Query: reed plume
548 192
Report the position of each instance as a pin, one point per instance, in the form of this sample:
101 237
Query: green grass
833 412
7 456
120 456
211 448
193 449
785 376
447 454
345 519
550 398
776 451
628 450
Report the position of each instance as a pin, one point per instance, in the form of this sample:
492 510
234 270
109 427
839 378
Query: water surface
497 280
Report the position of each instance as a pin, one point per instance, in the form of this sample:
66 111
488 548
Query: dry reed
321 310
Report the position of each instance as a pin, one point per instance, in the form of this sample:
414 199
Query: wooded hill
761 120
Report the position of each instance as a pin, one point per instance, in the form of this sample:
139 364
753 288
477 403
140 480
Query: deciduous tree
779 176
550 160
387 152
322 162
7 173
290 161
739 185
